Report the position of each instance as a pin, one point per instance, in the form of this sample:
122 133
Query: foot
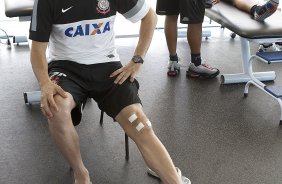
266 10
173 68
202 71
82 177
184 179
86 183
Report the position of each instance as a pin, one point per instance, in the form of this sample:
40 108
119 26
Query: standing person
83 63
192 13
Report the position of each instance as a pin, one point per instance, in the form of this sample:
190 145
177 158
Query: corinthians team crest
103 6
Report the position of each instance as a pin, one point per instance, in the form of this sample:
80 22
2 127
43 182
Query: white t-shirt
82 30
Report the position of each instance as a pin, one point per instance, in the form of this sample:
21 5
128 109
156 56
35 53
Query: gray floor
212 133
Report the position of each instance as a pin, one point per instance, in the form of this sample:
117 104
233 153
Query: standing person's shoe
173 68
185 180
202 71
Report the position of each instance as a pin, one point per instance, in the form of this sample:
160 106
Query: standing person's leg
170 10
192 13
194 38
170 29
171 40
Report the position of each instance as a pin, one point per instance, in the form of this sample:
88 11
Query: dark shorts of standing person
94 81
191 11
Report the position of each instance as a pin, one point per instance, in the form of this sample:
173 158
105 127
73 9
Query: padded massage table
18 8
249 30
21 9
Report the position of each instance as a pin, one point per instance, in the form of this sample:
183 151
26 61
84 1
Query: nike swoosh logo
65 10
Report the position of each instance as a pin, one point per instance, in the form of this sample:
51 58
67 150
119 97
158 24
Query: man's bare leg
244 5
154 153
66 138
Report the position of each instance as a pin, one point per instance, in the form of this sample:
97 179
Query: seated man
258 12
83 63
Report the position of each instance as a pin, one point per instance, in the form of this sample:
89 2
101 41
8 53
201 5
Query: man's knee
140 121
134 121
64 105
141 127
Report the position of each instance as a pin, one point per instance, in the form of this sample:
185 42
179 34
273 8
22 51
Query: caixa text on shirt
88 29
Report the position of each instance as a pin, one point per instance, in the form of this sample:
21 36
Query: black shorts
191 11
94 81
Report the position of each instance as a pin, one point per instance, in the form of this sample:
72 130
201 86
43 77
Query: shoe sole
201 76
173 73
153 174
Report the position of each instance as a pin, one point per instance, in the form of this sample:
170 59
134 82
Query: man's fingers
52 103
45 109
124 73
61 92
42 109
115 73
118 79
122 77
48 103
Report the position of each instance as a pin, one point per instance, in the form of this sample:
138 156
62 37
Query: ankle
81 176
196 59
253 10
173 57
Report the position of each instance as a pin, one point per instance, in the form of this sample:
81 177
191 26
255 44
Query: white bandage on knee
140 126
132 118
149 123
